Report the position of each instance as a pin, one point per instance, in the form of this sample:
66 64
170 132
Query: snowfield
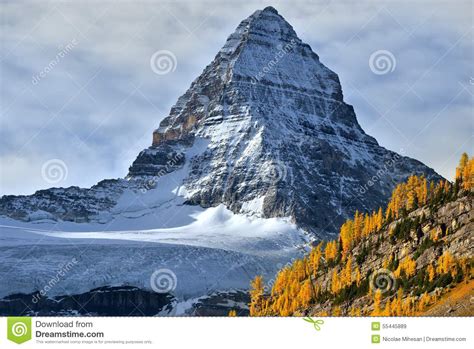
208 250
217 251
215 227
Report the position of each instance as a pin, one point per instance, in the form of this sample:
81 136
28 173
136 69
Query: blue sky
76 82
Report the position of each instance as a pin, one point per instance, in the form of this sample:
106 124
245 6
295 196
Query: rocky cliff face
280 141
430 233
453 226
415 261
104 301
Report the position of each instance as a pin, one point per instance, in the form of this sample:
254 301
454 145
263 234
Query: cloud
97 104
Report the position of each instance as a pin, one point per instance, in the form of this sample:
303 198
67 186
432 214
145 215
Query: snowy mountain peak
264 131
281 142
266 25
261 42
264 51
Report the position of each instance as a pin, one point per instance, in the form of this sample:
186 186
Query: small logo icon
54 171
375 338
163 281
383 280
382 62
316 323
19 329
375 326
163 62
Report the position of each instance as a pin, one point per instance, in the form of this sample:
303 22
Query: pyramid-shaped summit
262 41
279 139
263 51
264 130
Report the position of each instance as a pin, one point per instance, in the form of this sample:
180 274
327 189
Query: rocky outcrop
221 303
104 301
158 161
69 204
449 228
